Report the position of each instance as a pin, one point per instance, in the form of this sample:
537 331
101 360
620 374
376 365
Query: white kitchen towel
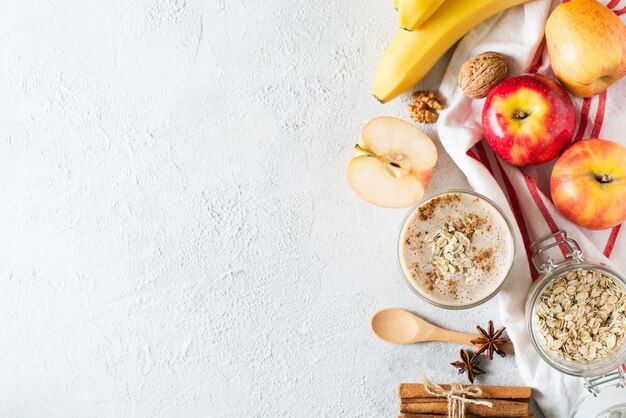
524 192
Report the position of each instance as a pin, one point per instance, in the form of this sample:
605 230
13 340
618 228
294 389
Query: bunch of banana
412 54
412 13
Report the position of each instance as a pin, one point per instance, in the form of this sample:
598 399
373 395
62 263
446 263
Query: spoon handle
508 348
452 336
463 338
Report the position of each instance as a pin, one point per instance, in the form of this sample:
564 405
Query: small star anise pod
469 363
491 341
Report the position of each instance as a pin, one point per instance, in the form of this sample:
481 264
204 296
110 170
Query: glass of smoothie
455 249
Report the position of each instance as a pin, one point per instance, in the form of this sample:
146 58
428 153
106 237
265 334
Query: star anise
491 341
469 363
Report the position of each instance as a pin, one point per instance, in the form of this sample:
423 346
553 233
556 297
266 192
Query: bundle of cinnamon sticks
507 401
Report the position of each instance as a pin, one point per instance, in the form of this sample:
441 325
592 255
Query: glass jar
603 377
606 397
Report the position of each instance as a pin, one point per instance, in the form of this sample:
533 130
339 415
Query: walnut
424 107
430 98
421 113
482 73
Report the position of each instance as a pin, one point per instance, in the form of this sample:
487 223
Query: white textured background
177 235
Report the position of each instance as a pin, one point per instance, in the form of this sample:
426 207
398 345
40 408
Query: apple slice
392 163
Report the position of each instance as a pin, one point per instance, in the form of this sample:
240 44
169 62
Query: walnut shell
482 73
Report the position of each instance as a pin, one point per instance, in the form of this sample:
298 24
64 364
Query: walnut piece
425 105
430 98
482 73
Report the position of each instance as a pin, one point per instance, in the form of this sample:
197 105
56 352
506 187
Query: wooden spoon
398 326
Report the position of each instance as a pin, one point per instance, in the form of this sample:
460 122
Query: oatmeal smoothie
456 249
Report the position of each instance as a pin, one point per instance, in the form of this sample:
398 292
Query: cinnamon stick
410 415
416 390
500 408
445 400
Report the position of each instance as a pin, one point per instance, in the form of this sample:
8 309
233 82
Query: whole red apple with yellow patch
587 46
588 183
528 119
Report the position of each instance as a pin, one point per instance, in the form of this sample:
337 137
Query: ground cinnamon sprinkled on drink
452 286
432 279
435 279
427 210
484 259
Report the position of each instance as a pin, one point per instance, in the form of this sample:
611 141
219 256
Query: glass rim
409 282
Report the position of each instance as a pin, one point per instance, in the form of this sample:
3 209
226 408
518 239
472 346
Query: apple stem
360 148
604 178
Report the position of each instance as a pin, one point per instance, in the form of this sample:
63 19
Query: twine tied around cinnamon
456 396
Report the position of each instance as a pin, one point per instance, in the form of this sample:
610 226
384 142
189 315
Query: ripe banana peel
412 54
412 13
394 4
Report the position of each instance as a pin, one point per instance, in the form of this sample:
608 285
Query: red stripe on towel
620 11
471 154
612 4
584 119
597 124
608 249
483 156
539 53
534 192
519 219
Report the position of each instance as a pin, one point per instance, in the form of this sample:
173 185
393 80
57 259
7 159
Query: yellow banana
412 54
412 13
394 4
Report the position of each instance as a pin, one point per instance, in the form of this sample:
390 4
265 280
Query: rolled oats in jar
581 316
576 310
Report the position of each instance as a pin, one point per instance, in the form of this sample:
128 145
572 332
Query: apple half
392 163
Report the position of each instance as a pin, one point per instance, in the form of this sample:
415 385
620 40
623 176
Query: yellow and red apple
587 46
588 183
392 163
528 119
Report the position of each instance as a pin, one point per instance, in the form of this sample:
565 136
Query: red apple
528 119
587 46
588 183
